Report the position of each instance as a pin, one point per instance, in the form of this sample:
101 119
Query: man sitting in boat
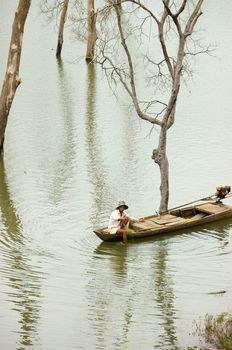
119 221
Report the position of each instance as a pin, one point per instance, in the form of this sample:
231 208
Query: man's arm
134 219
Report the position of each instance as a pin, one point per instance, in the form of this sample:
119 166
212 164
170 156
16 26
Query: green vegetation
217 332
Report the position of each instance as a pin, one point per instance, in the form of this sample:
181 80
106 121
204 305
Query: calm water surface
72 151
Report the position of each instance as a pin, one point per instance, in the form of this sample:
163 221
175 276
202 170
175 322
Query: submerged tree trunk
61 28
12 79
160 157
92 36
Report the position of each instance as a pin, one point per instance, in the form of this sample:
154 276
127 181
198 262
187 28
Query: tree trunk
12 79
160 157
61 28
92 36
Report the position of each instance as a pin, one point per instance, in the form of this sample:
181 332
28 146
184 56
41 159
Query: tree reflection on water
126 296
102 196
165 297
20 276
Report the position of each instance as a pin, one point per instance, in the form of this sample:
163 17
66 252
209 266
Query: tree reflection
117 254
107 298
165 298
67 154
24 282
121 296
102 196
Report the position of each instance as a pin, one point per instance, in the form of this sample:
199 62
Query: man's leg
123 233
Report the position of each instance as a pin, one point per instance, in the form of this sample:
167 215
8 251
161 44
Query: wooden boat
176 219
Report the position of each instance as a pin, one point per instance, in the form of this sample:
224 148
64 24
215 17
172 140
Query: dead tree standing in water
91 31
171 30
61 28
12 79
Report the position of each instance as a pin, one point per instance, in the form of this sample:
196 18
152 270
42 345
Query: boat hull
173 221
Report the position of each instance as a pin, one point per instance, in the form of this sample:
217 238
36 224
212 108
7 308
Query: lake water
72 151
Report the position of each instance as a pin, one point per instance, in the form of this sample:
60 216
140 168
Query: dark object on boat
175 219
222 191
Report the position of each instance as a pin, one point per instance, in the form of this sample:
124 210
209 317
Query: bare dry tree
61 28
82 21
92 36
56 10
169 31
12 79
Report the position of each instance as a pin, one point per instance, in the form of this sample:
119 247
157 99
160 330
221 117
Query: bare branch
144 8
174 16
181 9
193 19
164 48
161 29
132 92
167 9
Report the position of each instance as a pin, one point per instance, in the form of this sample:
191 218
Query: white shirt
114 222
